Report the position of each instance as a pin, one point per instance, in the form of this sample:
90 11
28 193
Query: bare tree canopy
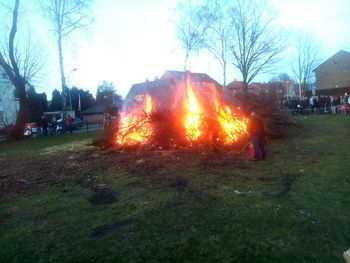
304 60
67 16
281 77
255 43
190 28
219 32
21 64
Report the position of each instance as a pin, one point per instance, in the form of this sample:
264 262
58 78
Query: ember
199 114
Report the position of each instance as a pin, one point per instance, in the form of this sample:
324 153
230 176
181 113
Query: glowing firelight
192 116
203 118
232 126
136 129
148 104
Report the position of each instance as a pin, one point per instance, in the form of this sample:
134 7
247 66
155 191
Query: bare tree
304 61
281 77
219 34
67 16
255 45
190 28
20 67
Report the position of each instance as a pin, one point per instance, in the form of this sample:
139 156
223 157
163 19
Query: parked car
77 124
30 129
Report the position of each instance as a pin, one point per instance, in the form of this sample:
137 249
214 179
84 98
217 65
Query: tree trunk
245 96
25 112
63 79
12 71
224 74
186 60
245 84
60 57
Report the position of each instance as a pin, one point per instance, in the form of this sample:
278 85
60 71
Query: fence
91 126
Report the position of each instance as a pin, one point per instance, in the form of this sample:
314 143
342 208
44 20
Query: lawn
64 200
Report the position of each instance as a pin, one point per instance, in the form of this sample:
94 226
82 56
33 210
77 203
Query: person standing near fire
70 123
257 133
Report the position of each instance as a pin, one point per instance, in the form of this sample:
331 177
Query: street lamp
70 98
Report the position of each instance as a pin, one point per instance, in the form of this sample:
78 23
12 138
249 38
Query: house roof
164 90
160 89
256 86
341 53
237 84
98 109
195 77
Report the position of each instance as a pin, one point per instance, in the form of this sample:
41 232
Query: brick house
281 88
333 75
166 90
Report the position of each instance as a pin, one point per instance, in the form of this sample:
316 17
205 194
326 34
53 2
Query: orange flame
232 126
136 129
192 115
206 119
148 104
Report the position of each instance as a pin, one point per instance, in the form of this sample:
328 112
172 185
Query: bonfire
194 114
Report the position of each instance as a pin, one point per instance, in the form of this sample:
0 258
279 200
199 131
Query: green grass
33 146
292 207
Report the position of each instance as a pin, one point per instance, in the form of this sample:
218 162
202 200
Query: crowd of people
318 104
49 125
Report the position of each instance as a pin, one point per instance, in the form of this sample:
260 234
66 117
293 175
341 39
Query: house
96 114
9 104
168 90
280 88
333 75
179 76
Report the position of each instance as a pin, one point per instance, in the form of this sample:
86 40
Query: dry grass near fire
63 199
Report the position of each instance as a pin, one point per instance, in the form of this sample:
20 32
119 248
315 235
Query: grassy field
63 200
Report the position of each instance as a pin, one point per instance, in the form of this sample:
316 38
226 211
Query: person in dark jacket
44 124
257 133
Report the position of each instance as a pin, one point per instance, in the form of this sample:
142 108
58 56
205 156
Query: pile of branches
168 133
278 122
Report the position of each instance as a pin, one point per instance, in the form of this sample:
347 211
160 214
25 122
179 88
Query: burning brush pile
168 114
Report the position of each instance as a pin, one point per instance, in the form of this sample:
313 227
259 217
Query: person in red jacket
70 123
257 133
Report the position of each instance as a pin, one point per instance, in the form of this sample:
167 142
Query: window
1 116
139 97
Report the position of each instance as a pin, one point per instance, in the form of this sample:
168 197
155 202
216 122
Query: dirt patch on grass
103 197
179 184
286 182
103 230
86 166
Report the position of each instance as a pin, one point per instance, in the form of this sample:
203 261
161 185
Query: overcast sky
131 41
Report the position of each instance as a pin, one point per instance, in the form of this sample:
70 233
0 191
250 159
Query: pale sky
131 41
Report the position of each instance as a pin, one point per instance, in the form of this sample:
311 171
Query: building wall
9 105
93 118
334 73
